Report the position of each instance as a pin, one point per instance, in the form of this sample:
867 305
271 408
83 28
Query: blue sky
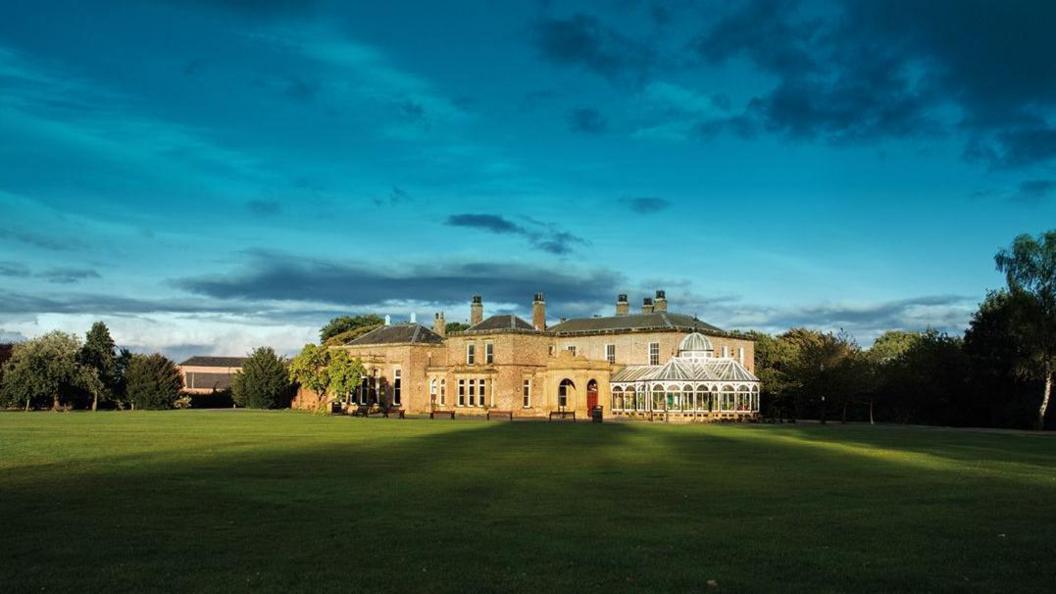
210 176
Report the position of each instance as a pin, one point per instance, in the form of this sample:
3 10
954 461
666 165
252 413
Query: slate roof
501 322
399 334
199 361
679 370
635 322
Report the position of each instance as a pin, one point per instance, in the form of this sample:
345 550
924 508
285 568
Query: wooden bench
508 414
448 413
396 412
563 414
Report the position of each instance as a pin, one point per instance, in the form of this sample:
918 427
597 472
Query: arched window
744 398
726 402
630 399
617 398
688 400
658 397
564 391
702 398
432 391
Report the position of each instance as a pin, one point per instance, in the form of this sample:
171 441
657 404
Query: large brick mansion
631 364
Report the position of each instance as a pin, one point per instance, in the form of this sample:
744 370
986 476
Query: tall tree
1029 265
330 373
46 368
345 324
886 358
263 381
152 382
98 354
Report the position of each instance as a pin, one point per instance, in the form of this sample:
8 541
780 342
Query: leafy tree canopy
330 373
44 369
346 323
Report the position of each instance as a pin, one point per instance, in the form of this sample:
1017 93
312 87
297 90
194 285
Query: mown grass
280 501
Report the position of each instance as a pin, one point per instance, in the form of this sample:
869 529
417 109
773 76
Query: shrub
263 382
153 382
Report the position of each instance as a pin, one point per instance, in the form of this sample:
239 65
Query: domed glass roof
695 342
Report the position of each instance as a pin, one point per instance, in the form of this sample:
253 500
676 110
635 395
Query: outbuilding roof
200 361
399 334
661 320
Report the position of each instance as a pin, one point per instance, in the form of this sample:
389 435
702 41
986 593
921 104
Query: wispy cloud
543 236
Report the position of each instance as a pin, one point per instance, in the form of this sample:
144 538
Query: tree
455 327
98 354
330 373
1029 265
995 355
885 358
263 381
152 382
46 368
346 323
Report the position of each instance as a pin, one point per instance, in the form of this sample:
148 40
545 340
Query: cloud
41 240
13 269
587 121
585 42
646 204
9 336
866 321
543 236
279 277
1033 191
264 208
881 69
68 275
395 196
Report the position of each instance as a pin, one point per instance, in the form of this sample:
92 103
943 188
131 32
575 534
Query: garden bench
397 412
361 411
500 413
563 414
435 413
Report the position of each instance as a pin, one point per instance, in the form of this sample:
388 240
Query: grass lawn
279 501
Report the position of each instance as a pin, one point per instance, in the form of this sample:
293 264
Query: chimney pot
623 307
647 305
661 300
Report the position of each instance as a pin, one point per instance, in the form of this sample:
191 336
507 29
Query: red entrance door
592 395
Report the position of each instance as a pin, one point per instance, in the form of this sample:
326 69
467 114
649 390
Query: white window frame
526 394
481 392
654 353
472 392
610 353
397 387
461 392
443 392
471 353
489 353
571 348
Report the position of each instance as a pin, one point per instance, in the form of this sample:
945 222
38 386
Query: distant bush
263 381
153 382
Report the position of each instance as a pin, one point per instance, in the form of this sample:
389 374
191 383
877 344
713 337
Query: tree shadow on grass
440 506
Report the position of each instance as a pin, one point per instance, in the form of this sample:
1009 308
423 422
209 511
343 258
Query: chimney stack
439 325
476 311
539 312
661 301
623 307
647 305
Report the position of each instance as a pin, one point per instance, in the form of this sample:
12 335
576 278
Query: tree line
998 374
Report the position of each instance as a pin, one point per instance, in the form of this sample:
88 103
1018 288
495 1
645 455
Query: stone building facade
506 363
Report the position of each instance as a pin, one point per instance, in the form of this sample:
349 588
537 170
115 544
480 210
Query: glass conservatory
695 384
